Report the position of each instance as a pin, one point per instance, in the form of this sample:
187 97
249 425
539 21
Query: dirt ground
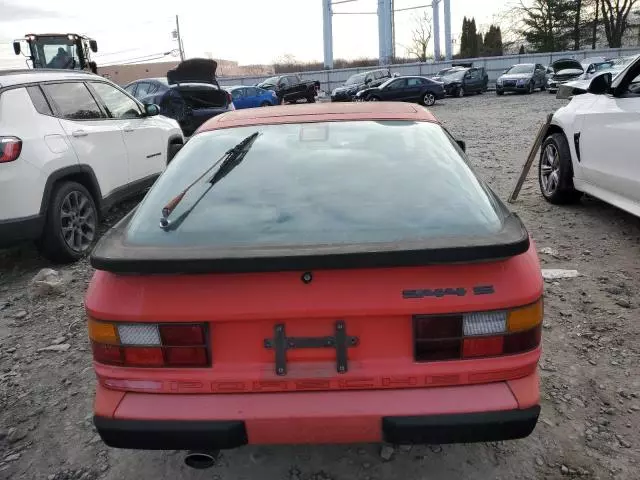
590 422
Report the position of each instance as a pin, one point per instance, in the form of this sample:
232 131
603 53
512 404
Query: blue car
249 97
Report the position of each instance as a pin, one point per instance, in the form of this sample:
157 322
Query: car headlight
499 81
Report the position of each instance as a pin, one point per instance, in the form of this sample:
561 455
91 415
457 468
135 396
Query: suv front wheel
71 223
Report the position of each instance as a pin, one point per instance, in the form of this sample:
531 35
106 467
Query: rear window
359 182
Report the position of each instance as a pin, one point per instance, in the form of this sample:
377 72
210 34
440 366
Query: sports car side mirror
462 144
600 84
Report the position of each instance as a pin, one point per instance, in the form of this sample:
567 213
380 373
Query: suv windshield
319 184
523 68
355 79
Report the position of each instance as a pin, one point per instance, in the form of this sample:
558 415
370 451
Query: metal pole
327 33
436 30
447 29
180 47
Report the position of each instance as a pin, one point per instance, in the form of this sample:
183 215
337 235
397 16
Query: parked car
438 343
405 89
564 70
189 94
360 81
251 97
592 144
454 66
291 88
72 144
460 82
524 77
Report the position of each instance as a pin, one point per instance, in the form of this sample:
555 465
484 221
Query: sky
247 31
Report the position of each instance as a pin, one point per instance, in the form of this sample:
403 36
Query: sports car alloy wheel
429 99
77 221
550 169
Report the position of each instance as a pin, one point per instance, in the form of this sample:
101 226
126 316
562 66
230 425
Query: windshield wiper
230 160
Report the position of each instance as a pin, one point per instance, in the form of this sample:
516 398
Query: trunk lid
195 70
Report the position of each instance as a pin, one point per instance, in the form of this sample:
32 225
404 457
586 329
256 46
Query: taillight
10 148
477 334
229 97
149 344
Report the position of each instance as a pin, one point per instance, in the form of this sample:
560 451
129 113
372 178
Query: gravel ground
590 425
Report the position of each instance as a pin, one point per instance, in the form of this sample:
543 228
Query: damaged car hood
566 64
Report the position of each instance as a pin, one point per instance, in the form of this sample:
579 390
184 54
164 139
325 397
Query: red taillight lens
482 347
110 354
10 148
149 344
143 356
186 356
477 334
182 335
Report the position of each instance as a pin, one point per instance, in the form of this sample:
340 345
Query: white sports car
593 143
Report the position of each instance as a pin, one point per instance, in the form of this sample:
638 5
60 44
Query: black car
460 82
291 88
359 81
189 94
524 77
405 89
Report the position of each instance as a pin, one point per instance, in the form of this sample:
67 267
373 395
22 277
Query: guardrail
494 66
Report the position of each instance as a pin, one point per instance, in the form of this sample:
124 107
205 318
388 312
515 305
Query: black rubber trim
93 187
114 254
171 434
460 428
127 191
20 229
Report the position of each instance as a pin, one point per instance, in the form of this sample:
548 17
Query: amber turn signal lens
526 317
102 332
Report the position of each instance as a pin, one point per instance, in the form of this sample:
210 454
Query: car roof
320 112
9 78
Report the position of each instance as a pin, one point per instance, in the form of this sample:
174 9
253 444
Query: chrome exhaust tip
201 460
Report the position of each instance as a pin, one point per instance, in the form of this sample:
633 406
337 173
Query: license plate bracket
340 341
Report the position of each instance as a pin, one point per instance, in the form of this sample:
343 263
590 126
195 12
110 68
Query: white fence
330 79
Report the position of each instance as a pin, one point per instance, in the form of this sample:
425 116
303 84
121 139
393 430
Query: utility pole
327 33
180 47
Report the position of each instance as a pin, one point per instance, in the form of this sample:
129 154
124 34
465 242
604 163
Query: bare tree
421 36
615 17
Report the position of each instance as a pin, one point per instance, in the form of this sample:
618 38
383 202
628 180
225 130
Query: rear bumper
216 435
462 414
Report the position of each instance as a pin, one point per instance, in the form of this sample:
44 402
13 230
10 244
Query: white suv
71 145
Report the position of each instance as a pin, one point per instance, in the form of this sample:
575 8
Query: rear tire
71 224
555 172
265 104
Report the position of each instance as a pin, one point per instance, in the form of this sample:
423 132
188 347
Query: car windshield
443 71
355 79
315 184
271 81
457 75
523 68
